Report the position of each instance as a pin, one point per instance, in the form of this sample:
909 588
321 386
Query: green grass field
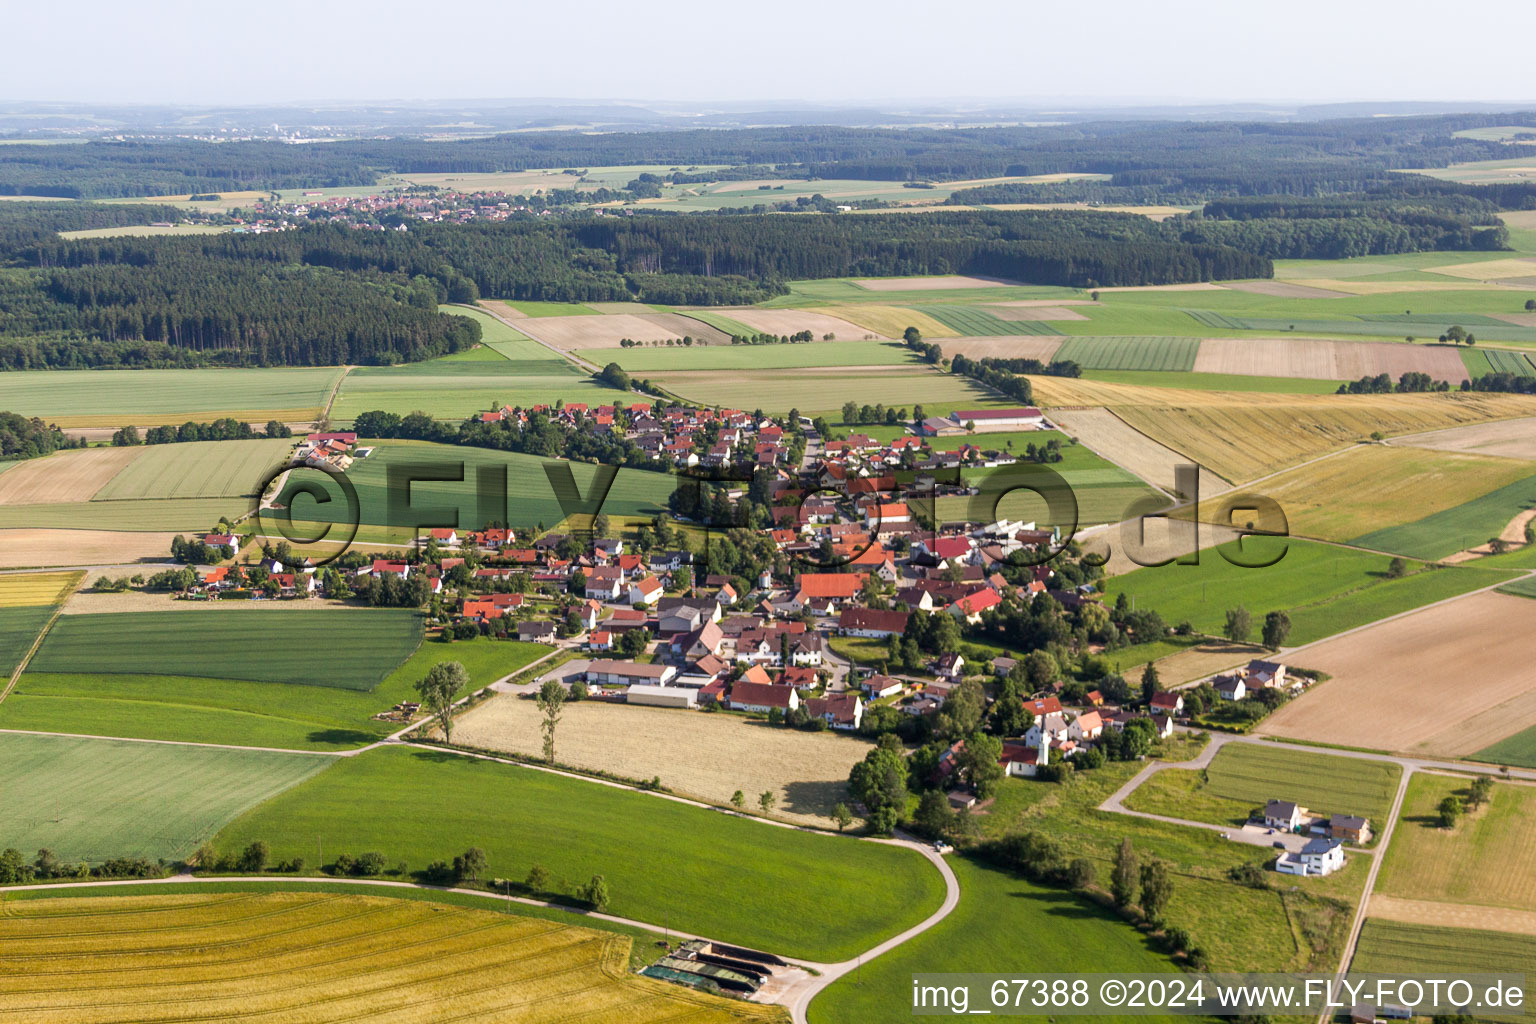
722 323
148 515
1159 355
1518 750
530 497
118 397
1525 587
538 309
978 323
1325 589
841 290
89 799
1425 951
754 357
352 649
242 711
1494 360
199 469
1456 529
18 629
1487 859
1216 381
1243 776
1103 494
998 919
702 871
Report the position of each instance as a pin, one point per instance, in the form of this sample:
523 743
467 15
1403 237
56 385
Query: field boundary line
64 596
180 743
330 400
569 357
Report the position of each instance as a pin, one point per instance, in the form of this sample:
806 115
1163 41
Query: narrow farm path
520 326
330 399
10 684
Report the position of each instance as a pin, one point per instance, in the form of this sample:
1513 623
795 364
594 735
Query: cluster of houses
334 449
678 436
1323 853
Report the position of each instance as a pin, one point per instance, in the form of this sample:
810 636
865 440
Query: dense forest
329 294
1215 158
22 438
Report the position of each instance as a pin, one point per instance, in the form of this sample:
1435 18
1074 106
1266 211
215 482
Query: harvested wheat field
793 321
1005 346
569 333
892 321
1446 681
25 548
312 957
1489 270
1132 450
64 476
1246 435
696 754
1373 487
1326 360
23 590
942 282
1452 915
1284 290
1029 313
1512 439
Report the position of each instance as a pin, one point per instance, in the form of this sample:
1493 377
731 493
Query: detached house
1283 814
1230 687
1319 857
843 712
646 591
763 697
1168 702
868 622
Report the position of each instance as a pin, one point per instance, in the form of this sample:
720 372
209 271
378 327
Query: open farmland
1501 512
269 645
75 475
1116 440
825 389
1398 950
938 282
1443 681
1325 589
456 396
1065 932
1130 353
1243 435
569 333
793 321
115 398
19 628
1495 360
755 357
890 321
1243 776
94 799
93 520
1008 346
229 954
699 755
43 588
1104 494
1489 858
198 469
1514 439
24 548
575 828
1327 360
974 320
530 497
242 711
1375 487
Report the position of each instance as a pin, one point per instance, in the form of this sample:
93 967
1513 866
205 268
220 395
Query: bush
370 863
1249 874
254 857
344 864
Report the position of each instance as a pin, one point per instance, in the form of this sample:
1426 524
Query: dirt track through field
1326 360
1414 683
1452 915
1515 439
1513 534
64 476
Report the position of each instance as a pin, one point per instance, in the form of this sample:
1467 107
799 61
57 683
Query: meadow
1324 589
151 515
1416 950
707 757
825 389
115 398
574 828
1243 776
198 469
243 711
530 497
1459 527
348 648
1489 858
95 799
233 954
972 321
999 918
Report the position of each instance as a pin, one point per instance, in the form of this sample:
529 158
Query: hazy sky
820 50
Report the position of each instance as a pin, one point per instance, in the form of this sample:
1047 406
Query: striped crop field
1130 353
1480 361
36 588
313 957
978 323
1395 948
350 648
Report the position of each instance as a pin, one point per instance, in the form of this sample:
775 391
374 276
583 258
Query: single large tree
1122 883
551 701
1151 683
1156 889
1239 624
439 689
1277 626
